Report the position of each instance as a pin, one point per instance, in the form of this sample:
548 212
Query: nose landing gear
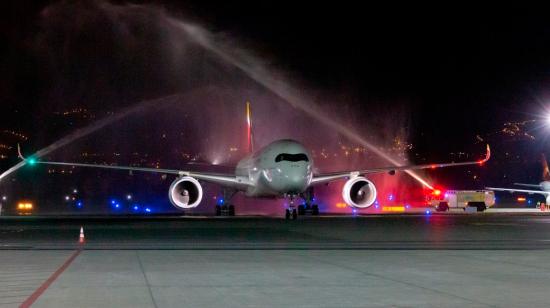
290 212
224 208
308 207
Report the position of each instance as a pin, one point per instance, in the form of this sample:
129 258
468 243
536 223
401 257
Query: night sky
457 71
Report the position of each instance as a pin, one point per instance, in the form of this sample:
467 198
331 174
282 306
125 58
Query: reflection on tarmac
434 231
329 261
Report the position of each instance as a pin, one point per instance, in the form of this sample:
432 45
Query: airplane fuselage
283 167
545 185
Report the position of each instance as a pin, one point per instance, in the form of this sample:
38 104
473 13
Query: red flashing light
436 192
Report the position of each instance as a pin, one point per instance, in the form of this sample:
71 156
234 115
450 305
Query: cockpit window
291 157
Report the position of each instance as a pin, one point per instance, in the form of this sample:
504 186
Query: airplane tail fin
249 135
545 171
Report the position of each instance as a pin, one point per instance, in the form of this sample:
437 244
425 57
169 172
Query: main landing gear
308 207
225 210
223 207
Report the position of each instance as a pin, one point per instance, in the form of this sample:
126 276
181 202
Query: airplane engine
185 193
359 192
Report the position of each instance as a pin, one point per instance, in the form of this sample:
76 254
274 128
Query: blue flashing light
313 199
136 207
529 201
390 197
113 202
117 205
148 210
79 204
220 201
376 206
407 206
376 201
428 212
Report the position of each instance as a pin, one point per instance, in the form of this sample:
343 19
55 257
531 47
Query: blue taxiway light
148 210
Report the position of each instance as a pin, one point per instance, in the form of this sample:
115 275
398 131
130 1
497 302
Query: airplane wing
227 180
528 185
513 190
329 177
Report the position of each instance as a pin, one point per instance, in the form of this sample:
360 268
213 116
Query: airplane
543 187
283 168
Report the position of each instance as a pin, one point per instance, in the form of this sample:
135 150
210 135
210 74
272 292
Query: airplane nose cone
296 180
289 178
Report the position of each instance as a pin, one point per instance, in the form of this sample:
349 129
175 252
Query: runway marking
36 294
401 281
146 280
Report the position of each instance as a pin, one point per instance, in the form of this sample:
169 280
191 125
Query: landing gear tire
315 209
302 209
225 210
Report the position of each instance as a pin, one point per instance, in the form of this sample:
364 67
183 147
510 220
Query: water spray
81 133
244 61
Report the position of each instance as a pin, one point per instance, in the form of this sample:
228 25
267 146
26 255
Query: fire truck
467 200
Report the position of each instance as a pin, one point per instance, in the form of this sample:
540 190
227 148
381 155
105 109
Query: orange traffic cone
81 238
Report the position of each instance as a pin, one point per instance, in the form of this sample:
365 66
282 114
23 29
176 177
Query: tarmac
435 260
